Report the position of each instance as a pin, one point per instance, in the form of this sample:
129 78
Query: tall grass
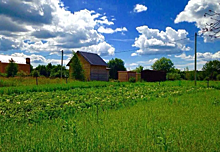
189 122
26 81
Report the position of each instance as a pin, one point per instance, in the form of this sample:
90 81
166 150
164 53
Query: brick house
23 63
93 65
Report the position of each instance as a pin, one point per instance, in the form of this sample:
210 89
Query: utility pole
195 54
62 65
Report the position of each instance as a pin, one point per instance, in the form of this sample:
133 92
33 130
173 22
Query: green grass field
111 116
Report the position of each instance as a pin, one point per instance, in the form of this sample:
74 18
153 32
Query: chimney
28 61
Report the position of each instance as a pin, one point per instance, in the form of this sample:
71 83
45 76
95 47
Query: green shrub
35 73
12 68
218 77
206 79
132 79
77 71
173 76
3 74
21 74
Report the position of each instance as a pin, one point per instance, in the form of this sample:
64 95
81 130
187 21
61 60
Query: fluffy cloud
194 12
139 8
47 25
102 48
145 64
153 41
110 30
207 56
38 59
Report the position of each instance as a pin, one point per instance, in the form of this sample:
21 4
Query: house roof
92 58
18 60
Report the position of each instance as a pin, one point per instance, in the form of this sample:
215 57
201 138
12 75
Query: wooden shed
124 76
153 76
94 66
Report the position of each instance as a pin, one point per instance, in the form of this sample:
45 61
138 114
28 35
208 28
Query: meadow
111 116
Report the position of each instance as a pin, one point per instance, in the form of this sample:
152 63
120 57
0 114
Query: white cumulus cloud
139 8
110 30
153 41
38 26
207 56
194 13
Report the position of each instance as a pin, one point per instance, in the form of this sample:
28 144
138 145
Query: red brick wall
24 67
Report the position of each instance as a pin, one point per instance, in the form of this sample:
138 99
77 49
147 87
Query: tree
12 68
212 69
139 69
42 70
214 27
36 75
50 70
77 71
163 64
115 65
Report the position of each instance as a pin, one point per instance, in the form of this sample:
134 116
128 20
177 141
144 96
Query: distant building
153 75
93 65
23 63
124 76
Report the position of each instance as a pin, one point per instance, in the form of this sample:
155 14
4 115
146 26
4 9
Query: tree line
49 70
210 71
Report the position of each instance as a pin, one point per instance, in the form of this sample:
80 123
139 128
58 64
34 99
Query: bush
12 68
206 79
21 74
3 74
218 77
173 76
77 71
35 73
132 79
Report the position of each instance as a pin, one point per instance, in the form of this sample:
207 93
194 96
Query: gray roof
92 58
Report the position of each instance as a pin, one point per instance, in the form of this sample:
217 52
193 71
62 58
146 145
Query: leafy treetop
12 68
163 64
115 65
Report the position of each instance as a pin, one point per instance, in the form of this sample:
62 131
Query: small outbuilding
124 76
153 75
94 66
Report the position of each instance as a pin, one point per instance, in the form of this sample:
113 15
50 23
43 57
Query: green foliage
163 64
21 74
212 69
218 77
114 117
132 79
190 75
53 71
115 65
3 74
139 69
206 79
42 69
77 71
35 73
173 76
11 69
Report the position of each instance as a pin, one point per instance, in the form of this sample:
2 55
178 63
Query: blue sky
138 32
